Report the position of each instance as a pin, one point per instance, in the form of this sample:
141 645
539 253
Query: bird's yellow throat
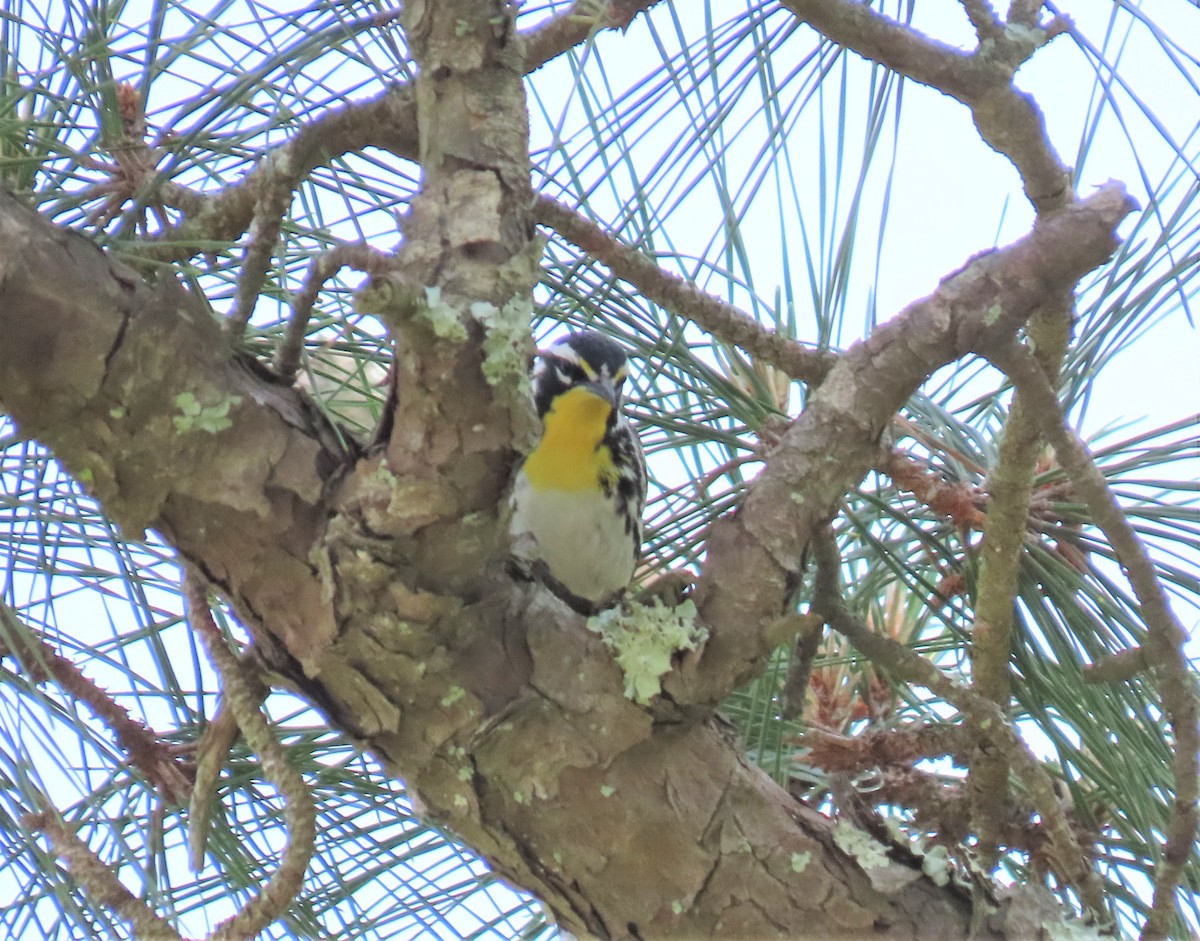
570 455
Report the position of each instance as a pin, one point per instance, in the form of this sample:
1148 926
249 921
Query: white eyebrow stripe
560 350
563 351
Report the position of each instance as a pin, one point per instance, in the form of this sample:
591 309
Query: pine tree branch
754 557
388 122
145 748
1164 646
1009 120
710 313
988 723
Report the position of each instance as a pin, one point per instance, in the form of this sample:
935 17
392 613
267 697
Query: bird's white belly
579 536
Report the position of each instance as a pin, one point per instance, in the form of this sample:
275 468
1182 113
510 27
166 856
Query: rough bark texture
379 580
384 581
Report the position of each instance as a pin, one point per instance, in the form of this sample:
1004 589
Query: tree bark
378 580
384 584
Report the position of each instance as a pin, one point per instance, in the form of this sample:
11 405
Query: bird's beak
603 389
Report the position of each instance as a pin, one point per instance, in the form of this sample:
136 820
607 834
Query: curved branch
1164 647
1009 120
299 811
754 557
387 121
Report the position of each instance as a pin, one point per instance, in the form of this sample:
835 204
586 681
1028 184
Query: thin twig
676 294
145 748
984 717
357 255
1164 646
270 208
241 694
804 652
97 878
1010 489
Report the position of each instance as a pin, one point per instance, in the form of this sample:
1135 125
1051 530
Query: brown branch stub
829 448
1024 12
582 20
1117 668
720 319
983 17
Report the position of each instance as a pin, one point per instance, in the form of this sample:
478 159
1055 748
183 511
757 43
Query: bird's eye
570 374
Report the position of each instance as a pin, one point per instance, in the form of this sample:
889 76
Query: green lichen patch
869 852
195 416
506 346
644 638
442 318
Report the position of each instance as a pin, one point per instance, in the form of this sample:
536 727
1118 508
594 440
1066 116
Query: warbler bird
579 496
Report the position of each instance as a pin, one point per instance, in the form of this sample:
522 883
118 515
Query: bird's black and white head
590 360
